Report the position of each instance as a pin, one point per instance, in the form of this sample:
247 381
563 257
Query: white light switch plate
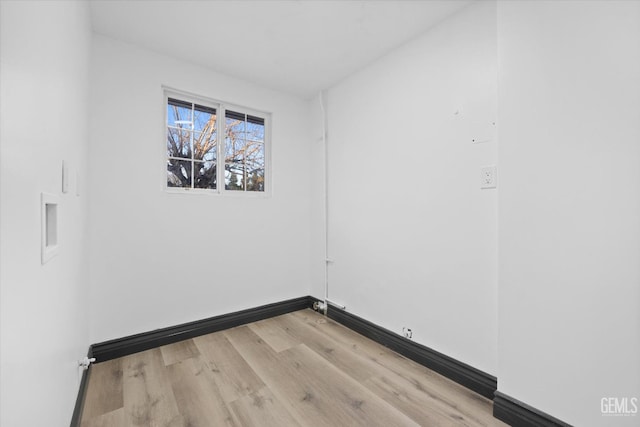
488 176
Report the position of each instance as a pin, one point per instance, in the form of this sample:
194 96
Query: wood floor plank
104 393
311 388
333 351
148 396
231 373
110 419
356 342
412 401
262 409
198 398
358 405
388 386
421 377
377 353
278 338
179 351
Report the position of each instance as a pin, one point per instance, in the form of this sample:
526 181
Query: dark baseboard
505 408
519 414
82 392
135 343
468 376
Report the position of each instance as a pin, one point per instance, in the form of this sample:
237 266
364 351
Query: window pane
255 166
234 127
178 173
234 177
204 118
204 145
234 150
205 175
254 155
179 114
255 180
255 131
178 143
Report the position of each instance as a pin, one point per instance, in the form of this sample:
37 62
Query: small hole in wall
49 244
52 224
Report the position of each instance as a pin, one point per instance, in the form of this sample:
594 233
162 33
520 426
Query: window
214 147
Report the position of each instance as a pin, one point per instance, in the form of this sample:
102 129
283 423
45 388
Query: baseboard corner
76 418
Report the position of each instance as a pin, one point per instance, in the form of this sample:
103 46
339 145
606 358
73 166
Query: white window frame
220 107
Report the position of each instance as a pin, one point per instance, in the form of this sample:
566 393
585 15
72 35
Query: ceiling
299 47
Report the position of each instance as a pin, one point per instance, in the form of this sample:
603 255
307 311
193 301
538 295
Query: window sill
217 193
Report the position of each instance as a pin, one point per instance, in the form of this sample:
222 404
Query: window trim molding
221 107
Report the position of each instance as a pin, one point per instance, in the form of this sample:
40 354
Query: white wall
317 174
569 235
160 259
44 98
412 235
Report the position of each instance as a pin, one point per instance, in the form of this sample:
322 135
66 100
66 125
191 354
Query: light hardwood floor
298 369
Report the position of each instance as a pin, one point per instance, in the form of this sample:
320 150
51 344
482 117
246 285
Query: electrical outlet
407 332
488 176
